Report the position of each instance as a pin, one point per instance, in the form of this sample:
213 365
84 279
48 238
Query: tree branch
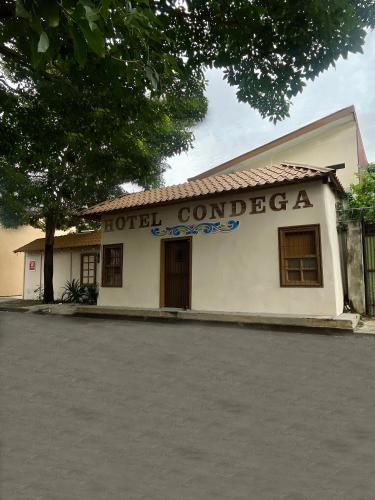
12 54
9 87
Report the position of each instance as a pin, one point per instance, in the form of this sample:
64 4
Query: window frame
282 268
104 247
87 254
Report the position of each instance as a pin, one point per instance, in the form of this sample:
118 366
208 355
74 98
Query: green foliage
39 292
360 200
76 293
267 48
91 295
72 133
80 111
73 292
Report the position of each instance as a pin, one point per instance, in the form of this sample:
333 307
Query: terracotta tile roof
282 173
73 240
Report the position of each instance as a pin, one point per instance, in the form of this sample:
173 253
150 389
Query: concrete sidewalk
366 326
10 298
345 322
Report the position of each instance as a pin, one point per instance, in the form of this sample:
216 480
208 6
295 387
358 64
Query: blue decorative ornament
193 229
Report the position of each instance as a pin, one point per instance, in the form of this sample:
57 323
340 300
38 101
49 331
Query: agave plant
73 291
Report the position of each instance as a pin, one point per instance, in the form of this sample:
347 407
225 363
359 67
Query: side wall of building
12 264
236 271
66 264
334 146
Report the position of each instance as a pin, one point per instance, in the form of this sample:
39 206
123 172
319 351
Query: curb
323 325
317 325
220 323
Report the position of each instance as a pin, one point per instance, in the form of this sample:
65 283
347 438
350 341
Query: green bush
359 202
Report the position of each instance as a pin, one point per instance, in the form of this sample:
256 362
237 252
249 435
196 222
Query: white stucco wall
329 146
32 279
62 270
237 271
66 266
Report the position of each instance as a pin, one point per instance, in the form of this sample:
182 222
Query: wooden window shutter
300 256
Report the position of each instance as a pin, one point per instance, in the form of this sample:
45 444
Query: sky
231 128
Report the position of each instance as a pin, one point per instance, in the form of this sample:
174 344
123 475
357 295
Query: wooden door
177 273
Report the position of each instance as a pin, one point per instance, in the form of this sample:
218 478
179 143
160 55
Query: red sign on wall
32 265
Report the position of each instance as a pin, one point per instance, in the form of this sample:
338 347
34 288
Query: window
112 265
300 256
88 269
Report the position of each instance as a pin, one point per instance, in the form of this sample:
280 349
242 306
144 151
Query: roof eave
335 182
26 249
99 215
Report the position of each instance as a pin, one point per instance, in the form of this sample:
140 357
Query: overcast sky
231 128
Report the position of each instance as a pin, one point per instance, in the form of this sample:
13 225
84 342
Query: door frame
162 268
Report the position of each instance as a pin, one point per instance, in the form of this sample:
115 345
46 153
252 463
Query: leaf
105 8
21 11
94 38
36 25
36 57
90 13
80 47
52 13
78 13
152 76
91 17
43 42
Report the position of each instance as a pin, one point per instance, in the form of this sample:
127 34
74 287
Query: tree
95 93
359 202
267 48
71 135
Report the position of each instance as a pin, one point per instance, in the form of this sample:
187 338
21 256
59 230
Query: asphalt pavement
113 409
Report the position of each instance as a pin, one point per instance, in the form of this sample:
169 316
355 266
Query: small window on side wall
112 265
300 256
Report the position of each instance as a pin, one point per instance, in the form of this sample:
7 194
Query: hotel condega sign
201 218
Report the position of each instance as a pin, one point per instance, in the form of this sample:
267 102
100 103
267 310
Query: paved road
102 409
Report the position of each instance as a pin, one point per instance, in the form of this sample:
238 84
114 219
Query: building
256 234
76 256
260 240
11 264
333 141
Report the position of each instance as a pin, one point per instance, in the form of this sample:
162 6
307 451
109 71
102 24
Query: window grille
112 265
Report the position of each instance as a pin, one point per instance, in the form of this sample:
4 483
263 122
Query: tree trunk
48 297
